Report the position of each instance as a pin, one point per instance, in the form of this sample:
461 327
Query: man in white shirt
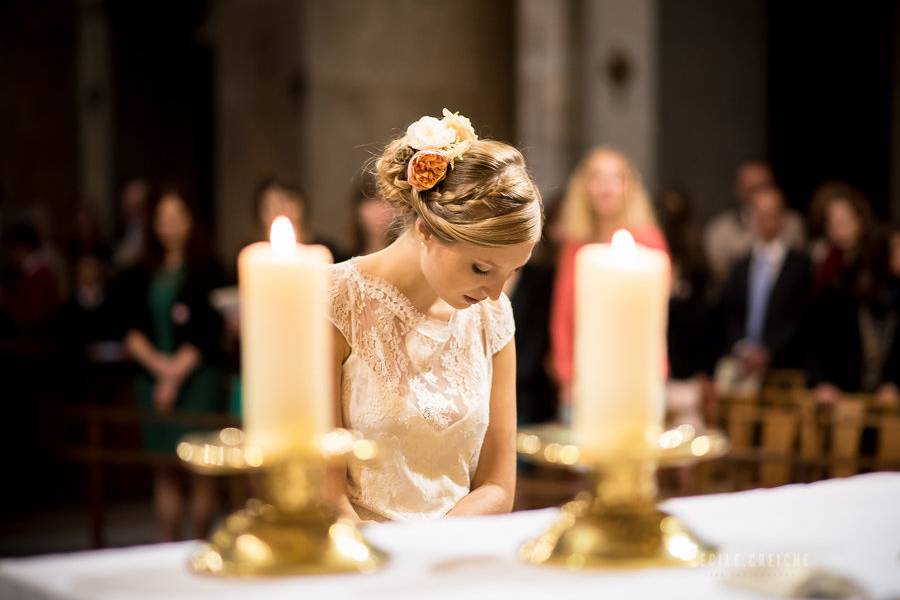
729 236
763 299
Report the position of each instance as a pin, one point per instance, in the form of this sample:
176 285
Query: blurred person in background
530 291
688 349
766 295
86 237
87 330
174 335
29 304
29 291
372 218
888 392
129 247
729 235
847 231
605 193
42 218
853 318
274 198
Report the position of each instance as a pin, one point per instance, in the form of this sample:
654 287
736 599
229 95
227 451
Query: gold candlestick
619 525
292 529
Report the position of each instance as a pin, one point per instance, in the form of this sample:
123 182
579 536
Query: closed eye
478 270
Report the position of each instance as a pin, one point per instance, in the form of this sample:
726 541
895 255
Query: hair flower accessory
435 144
429 133
426 169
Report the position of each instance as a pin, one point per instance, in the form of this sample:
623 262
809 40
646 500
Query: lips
470 299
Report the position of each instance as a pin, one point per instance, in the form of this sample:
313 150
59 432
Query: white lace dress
420 388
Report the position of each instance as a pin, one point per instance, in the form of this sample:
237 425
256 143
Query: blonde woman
423 333
604 194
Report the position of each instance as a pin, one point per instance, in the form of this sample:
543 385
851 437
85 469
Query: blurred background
137 133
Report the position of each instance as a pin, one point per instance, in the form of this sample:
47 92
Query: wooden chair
779 434
888 454
847 419
787 379
741 419
811 438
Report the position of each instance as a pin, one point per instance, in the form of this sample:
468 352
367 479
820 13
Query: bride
423 333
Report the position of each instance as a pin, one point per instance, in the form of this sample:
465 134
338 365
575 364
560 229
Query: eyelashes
479 271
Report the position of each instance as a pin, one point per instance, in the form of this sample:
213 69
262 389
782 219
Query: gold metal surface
291 529
555 444
619 526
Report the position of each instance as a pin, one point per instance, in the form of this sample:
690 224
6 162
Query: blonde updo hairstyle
487 197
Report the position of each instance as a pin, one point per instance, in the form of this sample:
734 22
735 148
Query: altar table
846 526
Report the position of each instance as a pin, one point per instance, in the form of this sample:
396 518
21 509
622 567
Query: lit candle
621 295
285 342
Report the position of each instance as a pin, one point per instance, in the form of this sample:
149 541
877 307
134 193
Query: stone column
895 123
369 70
619 79
543 90
713 96
94 96
256 100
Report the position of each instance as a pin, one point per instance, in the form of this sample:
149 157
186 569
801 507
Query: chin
456 301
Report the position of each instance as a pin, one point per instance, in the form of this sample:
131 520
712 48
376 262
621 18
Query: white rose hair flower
435 144
429 133
462 125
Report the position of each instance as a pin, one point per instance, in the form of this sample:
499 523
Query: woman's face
842 225
464 274
606 186
172 223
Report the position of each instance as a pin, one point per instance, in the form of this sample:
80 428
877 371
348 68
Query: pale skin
607 184
439 278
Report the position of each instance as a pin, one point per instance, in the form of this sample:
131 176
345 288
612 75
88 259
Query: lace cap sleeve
341 299
499 323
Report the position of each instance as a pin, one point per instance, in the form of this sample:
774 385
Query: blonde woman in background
424 334
604 194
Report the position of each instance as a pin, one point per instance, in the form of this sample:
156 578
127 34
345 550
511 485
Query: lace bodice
420 388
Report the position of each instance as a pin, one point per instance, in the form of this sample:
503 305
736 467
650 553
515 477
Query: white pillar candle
285 343
621 298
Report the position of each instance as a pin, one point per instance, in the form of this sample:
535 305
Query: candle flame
282 237
622 241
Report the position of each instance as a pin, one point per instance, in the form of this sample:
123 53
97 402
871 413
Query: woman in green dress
174 336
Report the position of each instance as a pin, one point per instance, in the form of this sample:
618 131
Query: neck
173 259
606 229
399 264
374 242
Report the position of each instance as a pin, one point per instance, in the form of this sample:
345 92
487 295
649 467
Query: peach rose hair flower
426 169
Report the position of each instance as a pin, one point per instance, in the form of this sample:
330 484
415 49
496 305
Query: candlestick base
616 539
263 541
619 526
292 529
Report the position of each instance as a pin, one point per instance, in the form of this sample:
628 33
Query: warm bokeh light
283 238
622 241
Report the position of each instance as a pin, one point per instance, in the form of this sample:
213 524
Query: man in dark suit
766 293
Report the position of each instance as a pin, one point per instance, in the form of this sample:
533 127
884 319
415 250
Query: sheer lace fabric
420 388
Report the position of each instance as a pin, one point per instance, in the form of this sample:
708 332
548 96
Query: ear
423 233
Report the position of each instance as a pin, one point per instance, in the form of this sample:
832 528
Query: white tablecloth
850 526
